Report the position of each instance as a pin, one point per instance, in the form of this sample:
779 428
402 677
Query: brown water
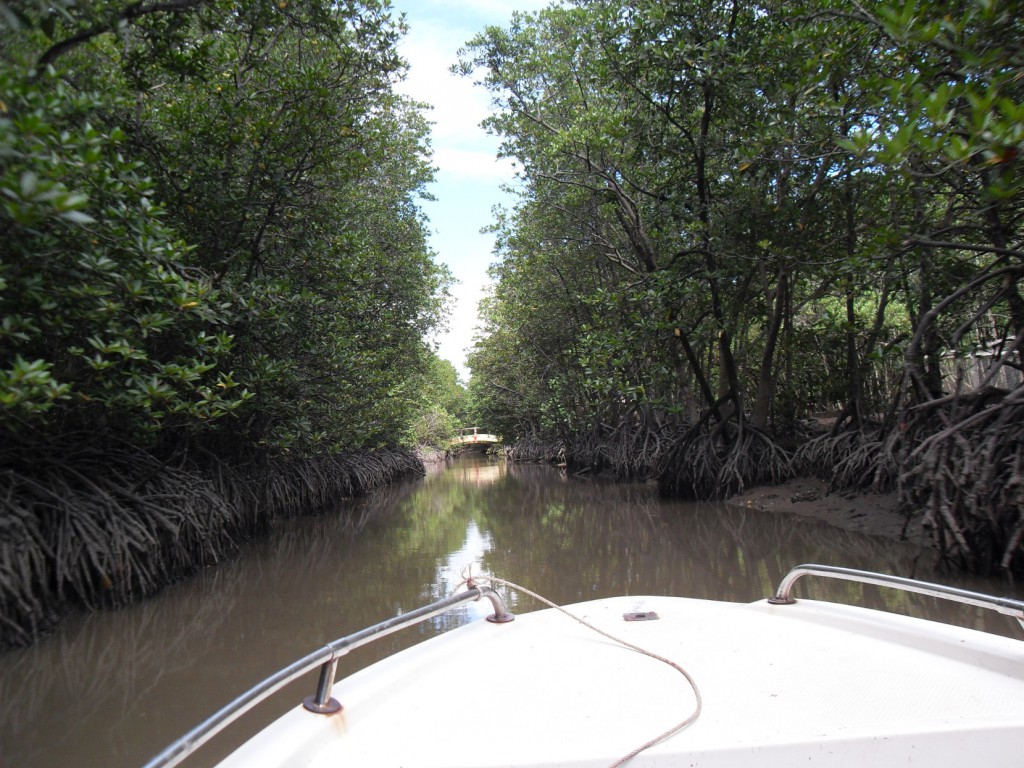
112 689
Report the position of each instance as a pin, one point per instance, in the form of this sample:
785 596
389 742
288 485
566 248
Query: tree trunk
766 377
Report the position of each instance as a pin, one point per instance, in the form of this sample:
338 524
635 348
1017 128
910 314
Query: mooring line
471 581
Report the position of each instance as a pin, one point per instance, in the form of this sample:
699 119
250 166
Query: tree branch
131 13
925 242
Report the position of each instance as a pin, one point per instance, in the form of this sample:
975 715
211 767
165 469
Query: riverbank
110 527
874 514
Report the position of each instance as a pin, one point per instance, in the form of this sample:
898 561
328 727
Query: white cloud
472 165
469 173
470 11
453 344
458 105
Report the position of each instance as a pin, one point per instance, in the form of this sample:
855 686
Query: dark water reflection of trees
111 689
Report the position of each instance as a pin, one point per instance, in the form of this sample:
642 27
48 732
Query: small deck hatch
640 616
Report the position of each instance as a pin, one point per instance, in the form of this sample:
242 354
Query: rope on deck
470 581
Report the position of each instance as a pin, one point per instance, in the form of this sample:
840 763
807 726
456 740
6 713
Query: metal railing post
327 659
321 702
1004 605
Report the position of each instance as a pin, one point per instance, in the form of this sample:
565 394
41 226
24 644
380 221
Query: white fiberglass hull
782 685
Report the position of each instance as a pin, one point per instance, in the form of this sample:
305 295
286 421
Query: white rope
470 581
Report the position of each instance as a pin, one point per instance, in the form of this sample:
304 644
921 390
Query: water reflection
478 472
111 689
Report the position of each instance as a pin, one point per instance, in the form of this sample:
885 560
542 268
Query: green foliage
216 214
442 409
102 321
214 283
754 212
744 213
955 106
736 215
642 222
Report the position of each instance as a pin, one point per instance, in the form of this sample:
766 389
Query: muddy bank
874 514
106 528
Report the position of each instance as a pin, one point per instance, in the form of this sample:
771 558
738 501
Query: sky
469 175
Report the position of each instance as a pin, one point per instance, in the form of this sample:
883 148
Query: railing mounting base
332 706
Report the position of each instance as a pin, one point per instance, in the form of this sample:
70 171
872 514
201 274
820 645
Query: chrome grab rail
327 659
1005 605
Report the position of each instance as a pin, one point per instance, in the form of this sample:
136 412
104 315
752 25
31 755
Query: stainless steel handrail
327 659
1005 605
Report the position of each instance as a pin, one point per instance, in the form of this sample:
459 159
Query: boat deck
782 685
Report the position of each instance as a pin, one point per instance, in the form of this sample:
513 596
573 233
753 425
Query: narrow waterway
111 689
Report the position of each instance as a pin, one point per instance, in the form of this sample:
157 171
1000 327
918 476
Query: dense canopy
209 210
737 216
215 284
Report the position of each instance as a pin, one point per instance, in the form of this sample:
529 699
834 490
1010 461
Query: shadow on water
111 689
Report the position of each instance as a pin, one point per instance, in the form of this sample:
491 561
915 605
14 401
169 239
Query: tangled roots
101 530
853 460
712 466
967 481
104 528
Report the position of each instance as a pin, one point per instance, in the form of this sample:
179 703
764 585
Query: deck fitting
331 706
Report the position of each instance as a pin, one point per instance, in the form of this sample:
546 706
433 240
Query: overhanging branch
129 14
